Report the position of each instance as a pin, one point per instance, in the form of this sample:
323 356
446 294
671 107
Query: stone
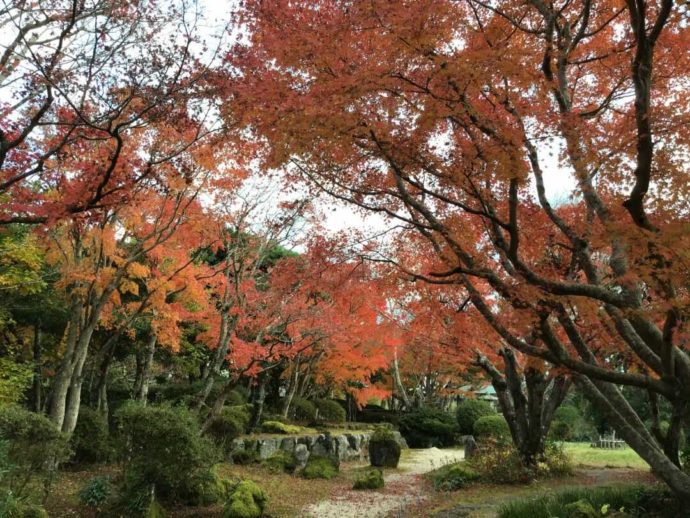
384 453
268 447
301 455
470 447
288 444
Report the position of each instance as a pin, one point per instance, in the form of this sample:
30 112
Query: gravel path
404 487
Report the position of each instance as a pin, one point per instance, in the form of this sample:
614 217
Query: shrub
242 413
501 463
162 449
560 431
95 492
384 450
243 457
205 488
33 447
428 427
469 411
558 461
320 467
331 411
224 428
493 427
281 461
372 479
278 427
247 500
303 410
235 398
572 503
454 476
90 440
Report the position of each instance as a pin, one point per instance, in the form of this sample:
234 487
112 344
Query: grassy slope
584 455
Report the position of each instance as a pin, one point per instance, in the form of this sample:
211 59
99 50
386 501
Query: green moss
320 467
243 457
206 489
247 500
372 479
278 427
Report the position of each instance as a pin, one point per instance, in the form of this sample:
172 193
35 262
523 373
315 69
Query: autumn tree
447 116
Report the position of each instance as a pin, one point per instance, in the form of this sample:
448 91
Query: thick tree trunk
529 415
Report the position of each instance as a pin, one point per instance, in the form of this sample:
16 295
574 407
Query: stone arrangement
340 447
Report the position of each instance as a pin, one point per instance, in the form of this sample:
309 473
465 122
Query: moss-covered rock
454 476
384 449
372 479
281 461
320 467
247 500
206 489
278 427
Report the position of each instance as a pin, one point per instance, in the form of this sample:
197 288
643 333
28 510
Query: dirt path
404 488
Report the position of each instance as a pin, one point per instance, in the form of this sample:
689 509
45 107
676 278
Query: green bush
236 398
281 462
639 501
501 463
303 410
90 440
205 488
493 427
162 449
454 476
95 492
427 427
224 428
278 427
247 500
33 447
469 411
243 457
330 411
560 431
242 413
320 467
372 479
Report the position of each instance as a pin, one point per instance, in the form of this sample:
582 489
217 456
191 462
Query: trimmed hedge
303 410
428 427
493 427
330 411
469 411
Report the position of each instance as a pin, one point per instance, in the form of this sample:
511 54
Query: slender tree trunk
258 407
144 372
398 381
36 388
63 377
292 387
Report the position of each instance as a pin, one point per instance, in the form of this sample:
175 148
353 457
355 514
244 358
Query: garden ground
406 494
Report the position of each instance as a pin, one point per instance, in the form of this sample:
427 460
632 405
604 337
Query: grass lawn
585 455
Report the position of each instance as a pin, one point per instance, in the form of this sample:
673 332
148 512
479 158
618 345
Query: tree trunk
529 415
36 388
398 382
292 388
144 359
258 407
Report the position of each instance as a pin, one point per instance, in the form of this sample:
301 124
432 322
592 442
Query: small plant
320 467
454 476
372 479
95 492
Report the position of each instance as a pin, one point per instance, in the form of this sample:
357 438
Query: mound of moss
372 479
320 467
247 500
278 427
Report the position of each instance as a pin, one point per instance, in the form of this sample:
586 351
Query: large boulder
301 455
